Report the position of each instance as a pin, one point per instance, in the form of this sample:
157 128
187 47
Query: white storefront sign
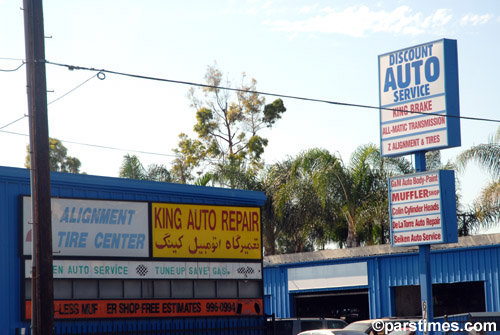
94 228
93 269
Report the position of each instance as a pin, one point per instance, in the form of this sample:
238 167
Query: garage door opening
350 305
458 298
448 299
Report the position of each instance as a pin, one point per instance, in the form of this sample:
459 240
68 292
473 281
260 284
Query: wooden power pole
42 297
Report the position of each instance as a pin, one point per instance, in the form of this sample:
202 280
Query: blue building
378 281
119 265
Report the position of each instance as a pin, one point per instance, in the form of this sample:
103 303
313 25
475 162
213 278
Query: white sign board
422 208
93 269
327 276
93 228
419 98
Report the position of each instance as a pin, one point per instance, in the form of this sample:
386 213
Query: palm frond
486 155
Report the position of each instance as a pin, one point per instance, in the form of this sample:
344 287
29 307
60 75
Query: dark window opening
350 305
448 299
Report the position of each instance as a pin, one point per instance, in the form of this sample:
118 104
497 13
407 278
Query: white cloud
266 5
359 21
253 8
307 9
475 19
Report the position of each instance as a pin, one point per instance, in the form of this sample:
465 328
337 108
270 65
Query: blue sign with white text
419 100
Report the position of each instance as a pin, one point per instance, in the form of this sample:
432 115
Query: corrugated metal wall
15 182
170 326
277 298
481 263
471 264
10 273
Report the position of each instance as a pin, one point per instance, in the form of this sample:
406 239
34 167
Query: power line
13 133
118 149
11 58
13 70
75 67
99 75
97 145
8 124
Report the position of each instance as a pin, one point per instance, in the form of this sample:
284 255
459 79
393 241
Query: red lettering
231 220
255 221
238 220
158 221
212 221
170 218
191 221
245 225
224 221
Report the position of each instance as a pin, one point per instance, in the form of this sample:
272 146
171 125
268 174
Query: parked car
331 332
293 326
403 332
366 326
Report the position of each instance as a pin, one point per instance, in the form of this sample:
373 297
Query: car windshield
360 326
336 324
400 332
308 325
348 332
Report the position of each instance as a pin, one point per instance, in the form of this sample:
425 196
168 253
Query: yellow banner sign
199 231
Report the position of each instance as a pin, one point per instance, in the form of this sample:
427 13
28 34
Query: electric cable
117 149
13 70
75 67
97 145
11 58
8 124
99 75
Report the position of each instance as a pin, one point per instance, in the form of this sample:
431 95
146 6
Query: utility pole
42 297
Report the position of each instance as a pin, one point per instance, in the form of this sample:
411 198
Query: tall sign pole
419 100
424 262
42 276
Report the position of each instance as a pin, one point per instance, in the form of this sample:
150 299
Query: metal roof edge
384 250
20 175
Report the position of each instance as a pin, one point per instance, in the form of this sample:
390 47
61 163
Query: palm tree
486 208
374 223
314 199
314 214
274 177
132 168
352 187
360 191
294 217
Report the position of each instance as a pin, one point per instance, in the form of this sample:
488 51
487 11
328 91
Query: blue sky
318 49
